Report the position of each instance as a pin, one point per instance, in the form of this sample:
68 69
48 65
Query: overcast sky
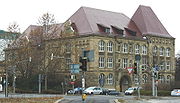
27 12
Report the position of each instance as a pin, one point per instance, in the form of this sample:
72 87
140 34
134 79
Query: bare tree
13 27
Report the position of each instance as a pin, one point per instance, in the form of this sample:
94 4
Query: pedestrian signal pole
83 67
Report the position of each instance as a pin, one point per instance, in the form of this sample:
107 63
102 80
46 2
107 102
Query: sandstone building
111 41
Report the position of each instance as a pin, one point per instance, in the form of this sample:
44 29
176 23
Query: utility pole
39 83
6 89
153 84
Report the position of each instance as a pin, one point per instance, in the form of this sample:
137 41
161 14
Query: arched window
101 46
167 52
137 49
101 80
110 79
110 47
144 78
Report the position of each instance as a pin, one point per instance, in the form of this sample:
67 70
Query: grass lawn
30 100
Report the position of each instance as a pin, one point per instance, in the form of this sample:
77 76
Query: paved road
90 99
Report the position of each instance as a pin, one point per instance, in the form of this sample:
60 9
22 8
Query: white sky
27 12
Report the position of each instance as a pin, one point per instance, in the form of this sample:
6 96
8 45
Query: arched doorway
125 82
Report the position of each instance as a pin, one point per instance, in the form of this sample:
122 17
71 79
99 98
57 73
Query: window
161 66
168 65
144 78
125 48
162 78
101 46
144 63
168 52
109 62
110 47
107 30
144 50
137 47
130 63
161 51
125 63
168 79
101 62
110 79
155 50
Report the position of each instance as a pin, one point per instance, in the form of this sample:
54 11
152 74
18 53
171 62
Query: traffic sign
130 69
74 68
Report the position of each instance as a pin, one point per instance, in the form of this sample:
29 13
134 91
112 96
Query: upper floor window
110 47
125 48
101 62
168 65
168 79
161 51
109 62
101 46
110 79
137 47
125 63
144 50
103 28
168 52
155 50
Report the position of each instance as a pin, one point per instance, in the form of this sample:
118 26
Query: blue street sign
74 68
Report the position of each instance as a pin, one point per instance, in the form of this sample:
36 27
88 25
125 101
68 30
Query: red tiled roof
148 23
86 20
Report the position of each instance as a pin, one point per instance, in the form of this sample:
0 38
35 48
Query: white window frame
110 62
101 62
101 46
168 80
168 65
110 47
144 50
110 79
167 52
125 63
137 49
161 51
155 50
125 48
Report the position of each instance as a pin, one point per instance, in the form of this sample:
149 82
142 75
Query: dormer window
103 28
131 32
117 30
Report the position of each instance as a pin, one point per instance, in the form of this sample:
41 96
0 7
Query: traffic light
155 74
135 68
159 76
83 61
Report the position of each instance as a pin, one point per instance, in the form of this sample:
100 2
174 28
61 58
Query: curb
59 100
116 101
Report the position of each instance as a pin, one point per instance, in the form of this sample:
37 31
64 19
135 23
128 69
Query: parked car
105 91
75 91
1 88
93 90
114 92
131 90
175 92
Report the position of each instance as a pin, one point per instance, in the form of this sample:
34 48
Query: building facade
111 41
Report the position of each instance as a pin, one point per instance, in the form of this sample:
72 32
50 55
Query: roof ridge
87 19
141 12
